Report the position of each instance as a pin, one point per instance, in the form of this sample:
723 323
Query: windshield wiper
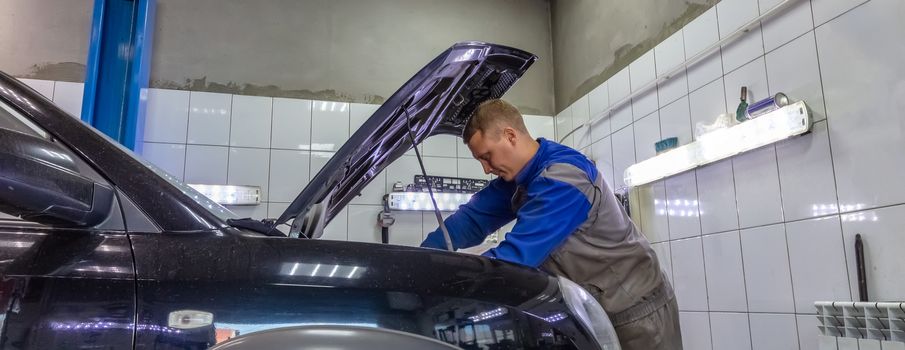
261 226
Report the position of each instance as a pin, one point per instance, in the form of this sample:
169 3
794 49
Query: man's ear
510 135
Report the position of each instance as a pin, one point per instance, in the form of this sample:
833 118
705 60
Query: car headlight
589 312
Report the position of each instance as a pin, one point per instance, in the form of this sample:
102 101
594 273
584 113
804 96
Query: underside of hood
439 99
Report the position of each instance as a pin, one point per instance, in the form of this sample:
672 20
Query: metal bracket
385 219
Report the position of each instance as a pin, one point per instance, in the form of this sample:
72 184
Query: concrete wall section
352 51
594 39
355 51
45 39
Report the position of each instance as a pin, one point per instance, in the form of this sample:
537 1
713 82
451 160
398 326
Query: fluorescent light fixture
421 201
230 194
788 121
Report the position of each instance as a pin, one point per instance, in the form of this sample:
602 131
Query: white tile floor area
771 231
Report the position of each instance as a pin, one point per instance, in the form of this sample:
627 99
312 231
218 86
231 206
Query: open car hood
439 99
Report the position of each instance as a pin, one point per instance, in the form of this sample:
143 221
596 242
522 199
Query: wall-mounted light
788 121
421 201
230 194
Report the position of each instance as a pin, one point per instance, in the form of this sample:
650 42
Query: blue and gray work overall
569 223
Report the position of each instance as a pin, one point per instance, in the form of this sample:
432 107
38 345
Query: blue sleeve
487 211
553 211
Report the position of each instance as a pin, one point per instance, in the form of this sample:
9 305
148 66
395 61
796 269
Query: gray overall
609 257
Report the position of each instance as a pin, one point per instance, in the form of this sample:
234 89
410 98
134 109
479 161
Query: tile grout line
706 290
830 148
738 220
188 121
735 190
631 123
270 160
785 234
754 312
777 48
53 90
704 255
782 206
802 220
839 15
657 93
310 137
229 136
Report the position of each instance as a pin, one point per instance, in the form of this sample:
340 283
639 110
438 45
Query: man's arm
487 211
555 209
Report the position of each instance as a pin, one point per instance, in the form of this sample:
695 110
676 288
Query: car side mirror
40 182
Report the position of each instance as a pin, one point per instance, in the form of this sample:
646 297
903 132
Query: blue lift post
119 63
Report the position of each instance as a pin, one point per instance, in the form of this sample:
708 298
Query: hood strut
430 191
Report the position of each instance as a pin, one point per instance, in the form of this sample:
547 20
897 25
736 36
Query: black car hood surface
439 99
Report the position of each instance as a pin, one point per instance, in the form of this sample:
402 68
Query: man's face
496 153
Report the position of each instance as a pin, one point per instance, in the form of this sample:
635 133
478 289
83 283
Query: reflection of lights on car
314 272
18 97
548 334
330 332
111 249
79 326
246 328
15 244
57 155
104 269
486 315
322 270
555 317
188 319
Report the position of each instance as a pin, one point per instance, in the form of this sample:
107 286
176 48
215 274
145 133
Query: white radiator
847 325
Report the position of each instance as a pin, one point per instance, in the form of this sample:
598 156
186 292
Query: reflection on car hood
439 99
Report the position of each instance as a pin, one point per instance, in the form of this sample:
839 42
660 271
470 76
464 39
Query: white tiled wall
752 241
279 144
66 95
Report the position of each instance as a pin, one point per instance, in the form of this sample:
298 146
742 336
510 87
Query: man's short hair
491 116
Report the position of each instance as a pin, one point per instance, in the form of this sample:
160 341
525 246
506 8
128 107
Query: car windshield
211 206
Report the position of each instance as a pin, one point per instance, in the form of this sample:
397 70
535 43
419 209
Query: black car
101 250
